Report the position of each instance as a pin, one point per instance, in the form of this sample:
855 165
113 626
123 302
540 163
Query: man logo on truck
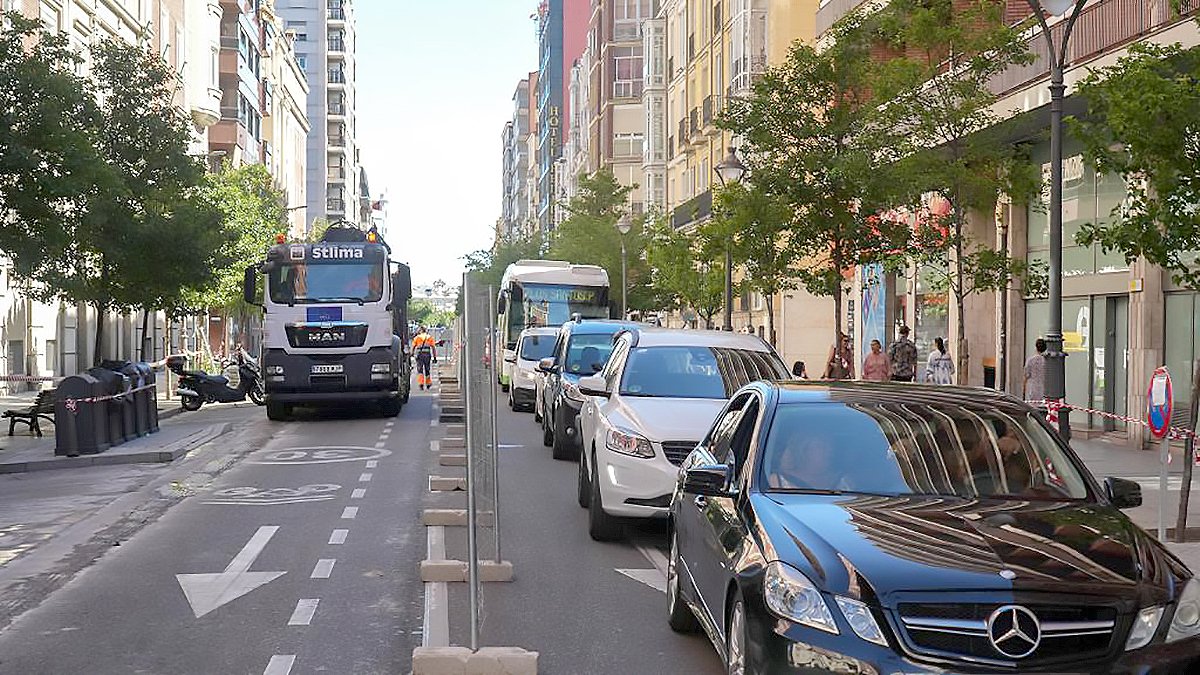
333 253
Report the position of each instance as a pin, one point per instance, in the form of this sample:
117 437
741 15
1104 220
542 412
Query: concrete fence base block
463 661
454 517
452 460
455 571
445 484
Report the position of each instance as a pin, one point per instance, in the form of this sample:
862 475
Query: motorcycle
197 387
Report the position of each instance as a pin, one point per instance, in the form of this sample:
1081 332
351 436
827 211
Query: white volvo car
656 397
533 345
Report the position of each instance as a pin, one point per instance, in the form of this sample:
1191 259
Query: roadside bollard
81 425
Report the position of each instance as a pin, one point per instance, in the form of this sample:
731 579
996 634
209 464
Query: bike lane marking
323 569
306 608
338 537
280 664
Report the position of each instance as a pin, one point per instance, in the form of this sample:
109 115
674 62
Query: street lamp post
1056 364
730 171
623 226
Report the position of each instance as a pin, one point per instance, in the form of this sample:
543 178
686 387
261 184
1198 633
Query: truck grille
309 335
960 631
677 451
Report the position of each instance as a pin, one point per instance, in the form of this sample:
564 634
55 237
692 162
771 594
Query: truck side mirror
249 286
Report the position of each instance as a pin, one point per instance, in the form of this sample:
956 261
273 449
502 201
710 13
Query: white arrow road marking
206 592
652 578
305 609
280 664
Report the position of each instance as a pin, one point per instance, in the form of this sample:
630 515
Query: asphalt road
573 600
301 557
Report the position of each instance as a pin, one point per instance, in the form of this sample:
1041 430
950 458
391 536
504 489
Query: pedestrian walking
840 364
1034 388
940 367
902 358
424 348
876 366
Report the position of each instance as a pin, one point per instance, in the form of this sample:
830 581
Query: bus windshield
552 305
307 283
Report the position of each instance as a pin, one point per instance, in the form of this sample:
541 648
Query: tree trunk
959 290
1189 454
145 336
771 318
97 355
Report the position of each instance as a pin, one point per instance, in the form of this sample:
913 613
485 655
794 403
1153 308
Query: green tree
316 230
817 144
679 275
1145 126
757 228
252 211
589 236
941 97
491 263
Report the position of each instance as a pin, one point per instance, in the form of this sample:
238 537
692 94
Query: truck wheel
278 412
390 407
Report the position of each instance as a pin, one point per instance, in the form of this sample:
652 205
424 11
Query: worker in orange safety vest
425 350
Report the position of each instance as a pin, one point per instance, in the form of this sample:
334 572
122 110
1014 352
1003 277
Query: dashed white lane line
372 463
323 569
350 512
305 609
380 444
338 537
366 477
280 664
358 493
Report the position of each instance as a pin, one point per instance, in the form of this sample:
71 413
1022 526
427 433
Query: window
301 37
302 61
627 72
50 18
627 18
627 145
51 354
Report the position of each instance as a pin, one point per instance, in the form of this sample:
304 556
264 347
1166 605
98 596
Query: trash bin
81 427
149 397
113 383
134 408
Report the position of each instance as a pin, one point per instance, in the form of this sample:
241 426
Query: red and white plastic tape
72 404
1174 433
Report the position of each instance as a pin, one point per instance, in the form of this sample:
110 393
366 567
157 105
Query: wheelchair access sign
1160 400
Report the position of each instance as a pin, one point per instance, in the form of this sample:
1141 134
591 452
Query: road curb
165 454
455 571
454 517
463 661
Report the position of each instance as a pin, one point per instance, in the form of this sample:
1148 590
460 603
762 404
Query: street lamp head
1057 7
625 224
730 170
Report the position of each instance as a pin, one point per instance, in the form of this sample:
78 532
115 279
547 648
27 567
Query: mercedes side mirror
1124 494
709 480
546 365
594 385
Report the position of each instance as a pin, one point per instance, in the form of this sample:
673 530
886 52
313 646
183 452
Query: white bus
545 293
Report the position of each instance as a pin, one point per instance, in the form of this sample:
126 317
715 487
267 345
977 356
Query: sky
435 85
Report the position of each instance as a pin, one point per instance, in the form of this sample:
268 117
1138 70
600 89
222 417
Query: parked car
649 406
533 345
888 528
582 349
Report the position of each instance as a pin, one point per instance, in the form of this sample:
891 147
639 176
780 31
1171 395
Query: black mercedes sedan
903 528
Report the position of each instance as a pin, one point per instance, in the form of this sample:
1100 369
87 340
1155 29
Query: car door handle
701 502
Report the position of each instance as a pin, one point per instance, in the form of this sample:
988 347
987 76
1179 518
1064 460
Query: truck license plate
324 370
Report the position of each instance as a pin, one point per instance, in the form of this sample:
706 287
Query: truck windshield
308 282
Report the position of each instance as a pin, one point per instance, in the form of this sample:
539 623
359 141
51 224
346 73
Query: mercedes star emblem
1014 631
1008 574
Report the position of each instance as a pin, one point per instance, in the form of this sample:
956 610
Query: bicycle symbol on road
320 455
254 496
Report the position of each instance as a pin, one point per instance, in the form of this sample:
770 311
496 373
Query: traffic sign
1160 402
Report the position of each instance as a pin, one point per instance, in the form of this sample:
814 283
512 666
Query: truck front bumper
310 378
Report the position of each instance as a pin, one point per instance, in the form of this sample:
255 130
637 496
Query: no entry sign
1160 399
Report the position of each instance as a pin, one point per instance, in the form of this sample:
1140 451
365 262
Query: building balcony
694 127
709 110
336 110
694 210
337 141
831 11
337 46
335 174
335 205
336 15
337 77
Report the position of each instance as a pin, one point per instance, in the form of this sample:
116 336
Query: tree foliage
817 145
1145 126
491 263
946 54
589 236
680 274
252 211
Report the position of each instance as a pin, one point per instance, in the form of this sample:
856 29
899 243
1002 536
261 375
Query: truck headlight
790 595
381 367
629 443
1185 622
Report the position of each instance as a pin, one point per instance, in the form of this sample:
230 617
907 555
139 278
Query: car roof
540 330
825 391
597 326
676 337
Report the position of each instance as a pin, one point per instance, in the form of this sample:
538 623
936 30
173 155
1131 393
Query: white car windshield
696 372
537 347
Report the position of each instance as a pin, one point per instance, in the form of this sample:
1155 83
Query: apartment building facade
285 122
325 47
514 207
1120 321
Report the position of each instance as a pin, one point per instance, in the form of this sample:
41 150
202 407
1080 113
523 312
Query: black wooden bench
43 407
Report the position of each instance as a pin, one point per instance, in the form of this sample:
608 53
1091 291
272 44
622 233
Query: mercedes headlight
629 443
1185 622
790 595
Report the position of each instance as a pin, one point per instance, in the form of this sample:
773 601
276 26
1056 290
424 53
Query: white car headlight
1185 622
859 616
629 443
1144 628
790 595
